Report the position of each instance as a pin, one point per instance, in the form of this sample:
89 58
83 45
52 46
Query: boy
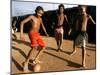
14 29
81 36
35 38
59 27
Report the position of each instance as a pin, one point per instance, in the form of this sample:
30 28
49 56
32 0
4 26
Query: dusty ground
52 60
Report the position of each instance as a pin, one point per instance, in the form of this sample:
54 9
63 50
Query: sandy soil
52 60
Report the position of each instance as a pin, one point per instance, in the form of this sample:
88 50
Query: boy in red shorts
35 38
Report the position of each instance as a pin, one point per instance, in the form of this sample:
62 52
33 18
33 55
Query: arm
69 32
44 28
14 25
66 18
92 19
22 25
73 27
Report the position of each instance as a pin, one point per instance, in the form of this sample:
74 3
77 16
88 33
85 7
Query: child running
59 27
81 36
35 38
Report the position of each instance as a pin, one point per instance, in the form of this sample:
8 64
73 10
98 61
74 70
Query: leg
41 44
83 53
38 55
15 37
59 42
57 39
74 47
27 60
76 42
83 56
61 39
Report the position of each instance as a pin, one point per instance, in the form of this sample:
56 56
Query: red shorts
36 40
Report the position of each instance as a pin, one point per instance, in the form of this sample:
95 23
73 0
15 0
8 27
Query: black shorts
79 37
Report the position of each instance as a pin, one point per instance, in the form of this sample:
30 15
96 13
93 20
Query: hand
47 35
69 33
22 37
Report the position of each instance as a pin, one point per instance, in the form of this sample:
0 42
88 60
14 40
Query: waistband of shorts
33 32
81 31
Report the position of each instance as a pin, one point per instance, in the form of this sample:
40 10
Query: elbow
21 26
21 23
94 22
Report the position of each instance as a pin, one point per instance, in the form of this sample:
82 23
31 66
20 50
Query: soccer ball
36 67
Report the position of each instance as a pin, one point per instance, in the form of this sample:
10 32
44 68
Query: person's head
39 11
82 8
61 8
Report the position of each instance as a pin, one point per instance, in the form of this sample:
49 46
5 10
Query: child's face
40 13
61 9
82 9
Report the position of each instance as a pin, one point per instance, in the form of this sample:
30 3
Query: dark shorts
79 37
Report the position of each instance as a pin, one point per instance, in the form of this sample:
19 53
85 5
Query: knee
84 43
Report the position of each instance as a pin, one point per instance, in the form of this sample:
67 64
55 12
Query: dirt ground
53 61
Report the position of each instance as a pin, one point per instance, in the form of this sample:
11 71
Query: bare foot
73 52
61 49
37 62
84 66
25 67
58 49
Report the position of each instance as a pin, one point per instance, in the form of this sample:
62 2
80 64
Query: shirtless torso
60 21
82 22
59 30
36 22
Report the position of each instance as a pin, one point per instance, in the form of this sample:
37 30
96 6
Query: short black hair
61 5
83 6
39 8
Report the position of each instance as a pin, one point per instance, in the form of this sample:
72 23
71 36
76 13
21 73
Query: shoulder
65 16
31 16
88 15
40 20
57 15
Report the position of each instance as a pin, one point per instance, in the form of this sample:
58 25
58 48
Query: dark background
50 18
